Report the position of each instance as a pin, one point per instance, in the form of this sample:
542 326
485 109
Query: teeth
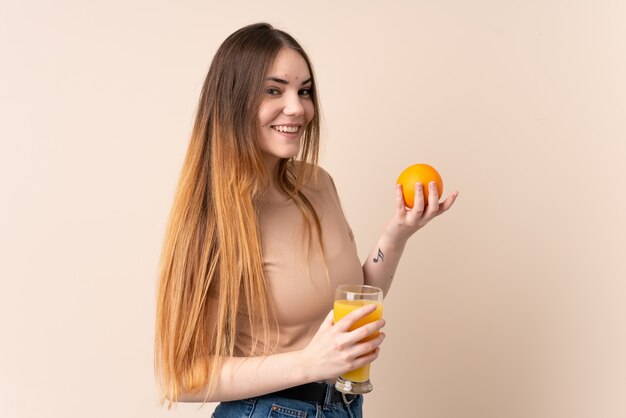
290 129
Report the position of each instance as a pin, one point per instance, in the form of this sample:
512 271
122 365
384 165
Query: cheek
265 115
309 111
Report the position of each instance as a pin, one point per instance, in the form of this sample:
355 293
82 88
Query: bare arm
333 351
380 266
246 377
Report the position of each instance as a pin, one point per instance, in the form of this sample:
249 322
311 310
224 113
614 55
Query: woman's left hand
406 221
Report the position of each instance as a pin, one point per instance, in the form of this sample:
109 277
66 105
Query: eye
305 92
272 91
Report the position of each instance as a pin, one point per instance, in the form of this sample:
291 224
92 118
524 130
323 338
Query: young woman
257 243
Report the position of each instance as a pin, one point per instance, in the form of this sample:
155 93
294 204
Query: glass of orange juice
347 299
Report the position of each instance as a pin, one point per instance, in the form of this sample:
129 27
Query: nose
293 105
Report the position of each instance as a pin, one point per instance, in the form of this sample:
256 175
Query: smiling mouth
286 129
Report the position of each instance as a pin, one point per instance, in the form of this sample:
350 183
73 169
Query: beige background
510 306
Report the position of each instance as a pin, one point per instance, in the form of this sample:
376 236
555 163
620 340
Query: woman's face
287 106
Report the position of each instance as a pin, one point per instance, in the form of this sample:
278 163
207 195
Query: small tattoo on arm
379 257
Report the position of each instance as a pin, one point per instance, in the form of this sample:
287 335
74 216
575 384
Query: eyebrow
281 81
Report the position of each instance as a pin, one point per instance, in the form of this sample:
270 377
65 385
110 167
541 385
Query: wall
511 305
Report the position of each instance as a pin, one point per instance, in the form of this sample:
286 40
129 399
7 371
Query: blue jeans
277 407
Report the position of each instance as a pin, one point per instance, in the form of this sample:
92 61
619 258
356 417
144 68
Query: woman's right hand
335 350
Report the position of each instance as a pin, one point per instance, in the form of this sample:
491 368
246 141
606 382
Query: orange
423 173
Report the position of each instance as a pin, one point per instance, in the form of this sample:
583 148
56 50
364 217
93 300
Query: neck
271 162
272 192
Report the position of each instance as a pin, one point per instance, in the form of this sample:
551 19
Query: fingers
363 360
368 358
360 346
447 204
433 200
345 323
371 345
418 200
364 349
400 203
366 332
421 208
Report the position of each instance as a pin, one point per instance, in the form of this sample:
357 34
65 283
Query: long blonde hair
212 245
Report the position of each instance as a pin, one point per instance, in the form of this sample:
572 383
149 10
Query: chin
287 154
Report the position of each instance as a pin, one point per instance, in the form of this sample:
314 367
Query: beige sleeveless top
302 295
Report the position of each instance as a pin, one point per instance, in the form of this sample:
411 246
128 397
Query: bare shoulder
323 175
318 178
322 180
